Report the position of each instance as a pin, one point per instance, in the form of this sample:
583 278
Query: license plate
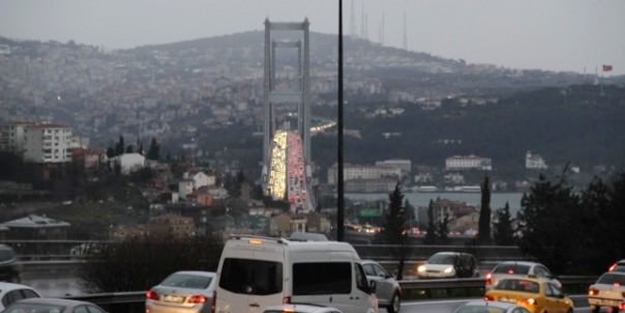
171 298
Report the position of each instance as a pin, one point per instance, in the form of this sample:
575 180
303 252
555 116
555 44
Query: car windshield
441 258
31 307
479 309
611 279
518 285
511 269
187 281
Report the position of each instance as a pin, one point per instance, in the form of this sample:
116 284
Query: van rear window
322 278
254 277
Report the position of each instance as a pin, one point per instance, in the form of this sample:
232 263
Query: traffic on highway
272 274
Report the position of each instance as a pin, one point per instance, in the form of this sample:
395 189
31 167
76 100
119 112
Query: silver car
182 292
520 269
387 289
50 305
481 306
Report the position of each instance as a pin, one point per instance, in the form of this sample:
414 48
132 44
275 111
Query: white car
300 308
182 292
10 293
520 269
608 291
387 288
618 266
449 265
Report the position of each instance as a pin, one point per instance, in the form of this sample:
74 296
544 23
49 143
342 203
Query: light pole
340 203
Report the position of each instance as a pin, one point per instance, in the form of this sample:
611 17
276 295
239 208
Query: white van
258 272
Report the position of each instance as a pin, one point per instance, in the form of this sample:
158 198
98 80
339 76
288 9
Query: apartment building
351 171
47 143
534 161
459 163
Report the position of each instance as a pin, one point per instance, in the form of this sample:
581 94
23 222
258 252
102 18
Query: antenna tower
405 43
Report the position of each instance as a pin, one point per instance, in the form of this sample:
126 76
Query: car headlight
448 270
421 268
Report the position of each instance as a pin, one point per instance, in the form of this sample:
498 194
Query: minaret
362 21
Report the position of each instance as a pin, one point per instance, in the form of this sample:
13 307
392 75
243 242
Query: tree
503 232
154 150
110 152
484 222
443 230
551 224
119 148
140 262
604 204
431 236
395 228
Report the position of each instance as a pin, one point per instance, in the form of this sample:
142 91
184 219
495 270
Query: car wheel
615 310
594 309
395 304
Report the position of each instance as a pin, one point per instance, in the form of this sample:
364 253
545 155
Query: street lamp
340 203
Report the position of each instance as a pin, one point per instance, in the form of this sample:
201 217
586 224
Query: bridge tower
276 95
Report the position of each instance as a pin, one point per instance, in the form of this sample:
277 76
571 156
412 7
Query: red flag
607 68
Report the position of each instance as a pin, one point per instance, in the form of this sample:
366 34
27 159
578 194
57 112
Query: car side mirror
372 286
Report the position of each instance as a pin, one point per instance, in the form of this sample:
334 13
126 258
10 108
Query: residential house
172 224
130 162
200 179
185 187
283 225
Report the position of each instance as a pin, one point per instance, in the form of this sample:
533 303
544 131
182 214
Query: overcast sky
562 35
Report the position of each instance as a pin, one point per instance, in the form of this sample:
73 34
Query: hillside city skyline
520 34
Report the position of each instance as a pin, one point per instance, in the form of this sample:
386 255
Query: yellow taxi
536 294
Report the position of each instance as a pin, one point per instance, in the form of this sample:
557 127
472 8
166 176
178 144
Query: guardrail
62 249
133 301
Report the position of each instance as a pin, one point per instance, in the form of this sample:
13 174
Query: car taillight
197 299
489 298
286 300
489 279
593 292
150 294
214 305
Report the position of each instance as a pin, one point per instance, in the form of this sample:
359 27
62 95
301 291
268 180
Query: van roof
297 245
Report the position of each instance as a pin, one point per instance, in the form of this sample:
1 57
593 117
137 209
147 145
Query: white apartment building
534 161
470 162
352 171
47 143
404 165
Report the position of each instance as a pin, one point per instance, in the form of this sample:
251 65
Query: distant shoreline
422 199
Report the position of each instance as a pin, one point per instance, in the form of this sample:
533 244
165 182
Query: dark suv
9 269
